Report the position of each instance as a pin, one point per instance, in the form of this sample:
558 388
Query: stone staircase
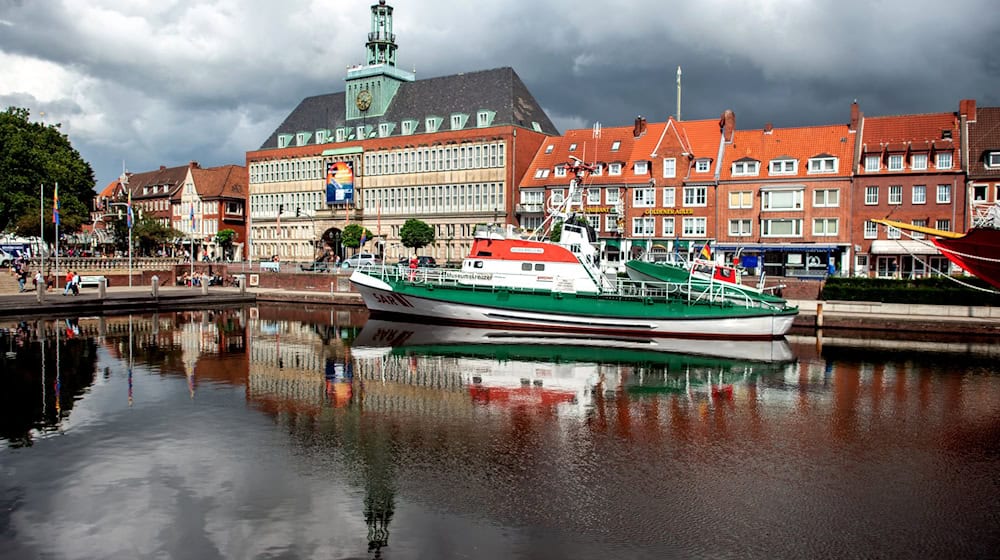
8 282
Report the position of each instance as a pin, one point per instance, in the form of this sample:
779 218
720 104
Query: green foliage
936 290
149 235
351 236
416 234
34 156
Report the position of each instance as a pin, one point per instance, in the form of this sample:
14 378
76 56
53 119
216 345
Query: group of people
72 283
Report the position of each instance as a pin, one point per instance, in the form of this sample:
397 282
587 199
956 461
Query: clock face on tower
364 100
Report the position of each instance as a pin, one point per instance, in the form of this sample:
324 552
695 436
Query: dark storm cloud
157 83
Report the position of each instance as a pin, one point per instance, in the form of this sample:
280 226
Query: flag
129 218
191 215
364 236
706 251
55 207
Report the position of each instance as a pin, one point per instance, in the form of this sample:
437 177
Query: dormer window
873 163
641 167
484 118
321 136
615 145
783 167
549 148
302 138
431 124
746 167
895 162
341 134
944 160
598 169
918 162
614 169
458 121
823 165
993 159
407 127
572 147
284 140
385 129
560 171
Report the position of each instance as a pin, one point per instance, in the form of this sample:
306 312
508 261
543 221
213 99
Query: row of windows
790 227
184 209
444 158
431 199
918 194
786 166
287 170
407 127
291 204
871 229
918 162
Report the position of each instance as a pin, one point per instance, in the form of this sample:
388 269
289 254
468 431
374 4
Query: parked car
423 261
361 259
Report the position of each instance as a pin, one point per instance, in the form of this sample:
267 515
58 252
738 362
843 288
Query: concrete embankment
117 300
856 315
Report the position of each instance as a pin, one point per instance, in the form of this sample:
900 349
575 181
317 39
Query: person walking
76 283
69 282
22 278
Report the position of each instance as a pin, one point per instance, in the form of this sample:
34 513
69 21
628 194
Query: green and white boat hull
658 310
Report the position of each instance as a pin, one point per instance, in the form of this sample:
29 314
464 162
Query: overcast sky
153 82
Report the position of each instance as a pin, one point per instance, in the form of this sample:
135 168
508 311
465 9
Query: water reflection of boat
378 334
561 371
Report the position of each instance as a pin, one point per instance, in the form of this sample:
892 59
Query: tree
148 234
416 234
225 239
351 236
35 156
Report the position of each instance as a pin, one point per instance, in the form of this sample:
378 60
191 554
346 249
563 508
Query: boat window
484 254
539 267
525 266
478 264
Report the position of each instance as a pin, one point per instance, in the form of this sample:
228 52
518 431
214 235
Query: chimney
967 109
855 116
768 127
727 124
194 165
162 167
640 126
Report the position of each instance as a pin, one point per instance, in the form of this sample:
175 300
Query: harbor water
298 432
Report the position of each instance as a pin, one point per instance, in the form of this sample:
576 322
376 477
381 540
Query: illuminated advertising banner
340 182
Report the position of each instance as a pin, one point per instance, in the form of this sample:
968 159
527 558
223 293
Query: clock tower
370 88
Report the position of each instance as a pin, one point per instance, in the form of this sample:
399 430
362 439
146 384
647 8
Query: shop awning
639 243
903 247
784 247
617 244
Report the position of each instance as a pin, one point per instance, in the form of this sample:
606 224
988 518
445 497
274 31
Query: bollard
243 286
156 287
819 314
204 285
102 288
40 292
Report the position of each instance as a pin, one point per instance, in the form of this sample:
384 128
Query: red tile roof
984 137
801 144
216 182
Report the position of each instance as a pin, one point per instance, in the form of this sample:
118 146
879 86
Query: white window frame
895 195
593 196
614 169
643 226
610 223
895 162
893 233
669 168
644 197
669 197
918 162
560 171
943 224
542 173
871 230
595 221
821 227
745 199
611 195
767 202
741 227
783 167
943 194
873 163
767 225
549 148
819 165
641 168
572 147
871 195
826 198
702 165
993 159
532 197
745 168
696 196
944 160
616 145
694 226
918 194
668 227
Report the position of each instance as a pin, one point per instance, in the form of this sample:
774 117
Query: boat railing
701 293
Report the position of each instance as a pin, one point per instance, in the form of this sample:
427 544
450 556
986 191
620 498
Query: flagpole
41 229
55 218
128 219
